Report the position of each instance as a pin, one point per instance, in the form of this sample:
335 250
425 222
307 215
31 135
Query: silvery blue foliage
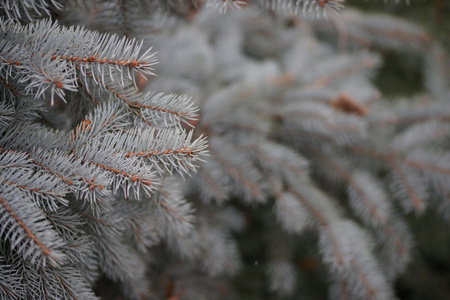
80 146
109 189
296 125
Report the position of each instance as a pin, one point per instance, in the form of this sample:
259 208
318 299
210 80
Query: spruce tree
119 184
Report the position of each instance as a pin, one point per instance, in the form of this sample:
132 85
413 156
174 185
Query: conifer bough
98 194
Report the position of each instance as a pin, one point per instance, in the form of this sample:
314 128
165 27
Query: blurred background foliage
428 274
400 74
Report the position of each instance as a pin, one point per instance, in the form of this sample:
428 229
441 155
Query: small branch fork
132 105
393 160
